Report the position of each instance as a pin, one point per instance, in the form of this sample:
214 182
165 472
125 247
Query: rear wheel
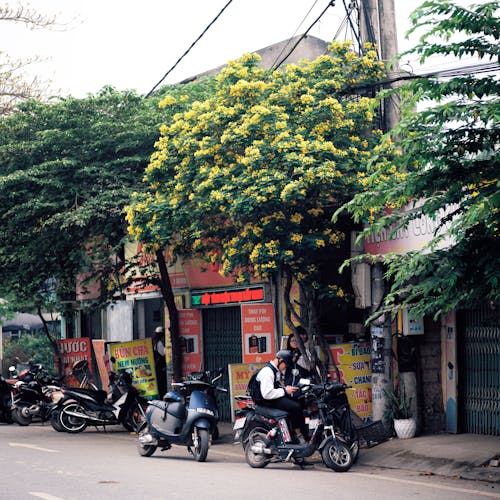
336 455
200 450
256 438
134 418
22 415
55 420
71 423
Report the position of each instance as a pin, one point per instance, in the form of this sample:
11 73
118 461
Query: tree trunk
168 298
53 343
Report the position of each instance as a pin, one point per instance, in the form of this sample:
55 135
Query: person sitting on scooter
297 369
276 395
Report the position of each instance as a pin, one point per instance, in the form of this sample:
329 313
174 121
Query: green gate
222 346
479 371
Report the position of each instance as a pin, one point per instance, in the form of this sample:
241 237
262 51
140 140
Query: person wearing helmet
276 395
160 361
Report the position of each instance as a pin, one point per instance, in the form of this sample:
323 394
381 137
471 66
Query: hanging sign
257 327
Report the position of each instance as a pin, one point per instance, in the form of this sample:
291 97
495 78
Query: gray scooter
186 416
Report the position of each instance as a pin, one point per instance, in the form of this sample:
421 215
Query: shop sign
257 327
136 357
73 350
225 297
190 340
239 375
353 361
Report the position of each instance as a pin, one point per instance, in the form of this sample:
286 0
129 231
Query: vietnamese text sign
190 339
136 356
239 375
73 350
353 361
257 326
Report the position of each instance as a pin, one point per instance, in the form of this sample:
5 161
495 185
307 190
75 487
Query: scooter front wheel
55 420
71 423
336 455
256 439
200 450
146 450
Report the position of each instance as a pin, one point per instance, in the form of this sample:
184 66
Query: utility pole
378 26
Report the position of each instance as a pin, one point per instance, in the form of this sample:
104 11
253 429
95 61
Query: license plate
239 423
313 423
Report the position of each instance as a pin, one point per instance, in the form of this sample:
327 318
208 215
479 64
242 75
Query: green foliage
34 347
67 169
250 177
398 405
444 166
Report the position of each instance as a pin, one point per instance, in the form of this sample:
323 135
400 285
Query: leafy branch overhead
445 167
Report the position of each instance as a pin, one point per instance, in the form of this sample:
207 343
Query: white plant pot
405 428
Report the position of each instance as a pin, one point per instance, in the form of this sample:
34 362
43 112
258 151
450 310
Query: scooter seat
271 412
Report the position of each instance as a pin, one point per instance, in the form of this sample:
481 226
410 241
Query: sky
131 44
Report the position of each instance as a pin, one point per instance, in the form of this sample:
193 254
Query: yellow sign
137 357
354 363
239 375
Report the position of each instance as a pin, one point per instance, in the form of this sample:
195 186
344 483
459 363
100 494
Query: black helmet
285 355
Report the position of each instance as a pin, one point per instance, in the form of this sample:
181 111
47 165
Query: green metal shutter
480 371
222 346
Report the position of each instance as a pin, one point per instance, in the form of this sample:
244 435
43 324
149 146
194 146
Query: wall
432 411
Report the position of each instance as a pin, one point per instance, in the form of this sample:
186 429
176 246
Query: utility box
412 326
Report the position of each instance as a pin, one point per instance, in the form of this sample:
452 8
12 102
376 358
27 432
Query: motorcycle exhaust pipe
261 449
86 417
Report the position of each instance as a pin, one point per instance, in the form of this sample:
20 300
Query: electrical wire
330 4
295 32
190 48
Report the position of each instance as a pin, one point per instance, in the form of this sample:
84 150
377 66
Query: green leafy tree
444 166
67 169
249 178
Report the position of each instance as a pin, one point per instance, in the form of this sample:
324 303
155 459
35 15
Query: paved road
37 462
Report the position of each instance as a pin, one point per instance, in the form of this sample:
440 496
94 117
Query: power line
189 49
330 4
295 32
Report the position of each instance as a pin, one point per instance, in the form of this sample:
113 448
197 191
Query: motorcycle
186 416
207 376
6 400
34 394
265 435
81 407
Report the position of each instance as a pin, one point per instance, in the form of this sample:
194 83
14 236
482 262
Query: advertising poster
73 350
257 327
353 361
137 356
239 375
190 338
102 361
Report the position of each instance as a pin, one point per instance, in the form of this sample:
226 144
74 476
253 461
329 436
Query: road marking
488 494
45 496
33 447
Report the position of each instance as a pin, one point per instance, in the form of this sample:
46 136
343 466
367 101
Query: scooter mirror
12 369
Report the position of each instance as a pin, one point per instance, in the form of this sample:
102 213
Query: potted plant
399 411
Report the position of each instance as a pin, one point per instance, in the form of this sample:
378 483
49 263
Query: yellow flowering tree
250 177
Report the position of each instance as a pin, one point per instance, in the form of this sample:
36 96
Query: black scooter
266 438
82 407
186 416
5 401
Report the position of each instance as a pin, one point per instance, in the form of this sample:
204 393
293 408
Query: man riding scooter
276 395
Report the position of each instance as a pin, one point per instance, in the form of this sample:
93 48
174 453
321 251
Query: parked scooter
265 435
186 416
6 400
210 377
82 407
34 394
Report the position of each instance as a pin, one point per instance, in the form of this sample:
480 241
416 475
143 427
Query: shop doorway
222 346
479 369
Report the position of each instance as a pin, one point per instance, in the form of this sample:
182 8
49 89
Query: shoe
302 462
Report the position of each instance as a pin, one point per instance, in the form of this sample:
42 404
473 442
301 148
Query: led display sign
227 297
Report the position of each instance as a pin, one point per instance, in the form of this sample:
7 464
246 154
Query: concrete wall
432 411
120 321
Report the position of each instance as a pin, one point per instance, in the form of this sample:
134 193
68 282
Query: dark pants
289 405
